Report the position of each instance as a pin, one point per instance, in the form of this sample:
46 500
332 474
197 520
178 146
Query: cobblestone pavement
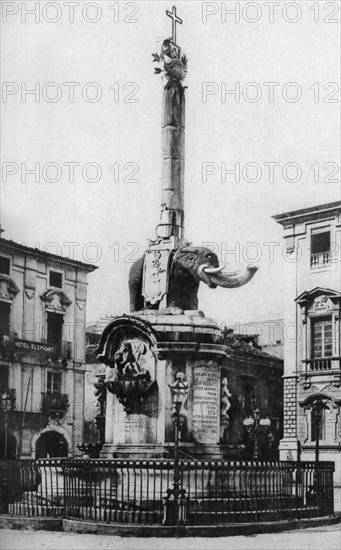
317 538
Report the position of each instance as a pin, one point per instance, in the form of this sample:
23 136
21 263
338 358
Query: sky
92 132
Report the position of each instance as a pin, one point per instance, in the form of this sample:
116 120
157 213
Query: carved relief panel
131 376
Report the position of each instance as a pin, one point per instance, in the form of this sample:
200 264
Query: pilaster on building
312 371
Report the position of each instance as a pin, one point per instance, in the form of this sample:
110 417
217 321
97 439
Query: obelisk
173 137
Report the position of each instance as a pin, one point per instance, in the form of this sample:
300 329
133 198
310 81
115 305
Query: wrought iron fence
142 491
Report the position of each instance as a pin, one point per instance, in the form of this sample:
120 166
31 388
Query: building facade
255 381
312 373
42 352
269 334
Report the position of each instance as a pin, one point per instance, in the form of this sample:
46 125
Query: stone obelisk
173 159
173 136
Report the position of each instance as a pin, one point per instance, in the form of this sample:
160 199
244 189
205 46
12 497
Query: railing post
4 489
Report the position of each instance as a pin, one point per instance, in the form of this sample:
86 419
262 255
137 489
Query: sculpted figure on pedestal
174 65
225 403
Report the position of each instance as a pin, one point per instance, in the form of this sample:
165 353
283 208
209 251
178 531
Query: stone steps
199 511
202 518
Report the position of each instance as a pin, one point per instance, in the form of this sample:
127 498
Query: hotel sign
26 345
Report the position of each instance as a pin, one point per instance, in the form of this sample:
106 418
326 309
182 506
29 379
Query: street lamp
257 428
6 405
179 390
318 405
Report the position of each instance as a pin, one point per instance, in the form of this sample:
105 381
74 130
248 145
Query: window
55 330
4 375
5 265
56 279
54 382
320 248
322 338
5 312
249 399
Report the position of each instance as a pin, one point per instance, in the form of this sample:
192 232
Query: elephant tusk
212 270
235 279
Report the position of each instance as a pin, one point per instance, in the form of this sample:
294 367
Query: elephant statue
188 266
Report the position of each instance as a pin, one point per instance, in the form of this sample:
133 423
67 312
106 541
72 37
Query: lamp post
179 390
318 406
255 425
6 405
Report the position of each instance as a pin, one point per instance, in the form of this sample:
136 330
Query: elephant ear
186 257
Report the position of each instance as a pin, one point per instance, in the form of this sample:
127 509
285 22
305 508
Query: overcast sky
115 122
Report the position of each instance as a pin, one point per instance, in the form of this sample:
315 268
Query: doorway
51 444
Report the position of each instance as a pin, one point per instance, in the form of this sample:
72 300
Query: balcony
320 364
54 405
63 350
320 259
323 366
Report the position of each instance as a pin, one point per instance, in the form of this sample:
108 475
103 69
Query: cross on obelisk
175 19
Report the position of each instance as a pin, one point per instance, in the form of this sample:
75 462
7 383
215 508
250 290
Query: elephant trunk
214 277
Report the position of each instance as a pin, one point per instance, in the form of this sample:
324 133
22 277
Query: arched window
321 417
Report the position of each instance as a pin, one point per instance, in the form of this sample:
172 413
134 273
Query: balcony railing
54 404
63 350
320 364
320 259
323 364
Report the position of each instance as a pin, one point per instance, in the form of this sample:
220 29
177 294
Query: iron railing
62 350
138 491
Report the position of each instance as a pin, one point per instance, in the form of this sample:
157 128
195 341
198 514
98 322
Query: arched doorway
11 446
51 444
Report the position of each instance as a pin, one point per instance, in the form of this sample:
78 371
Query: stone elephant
188 267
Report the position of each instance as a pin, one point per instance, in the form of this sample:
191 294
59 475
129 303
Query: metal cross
175 20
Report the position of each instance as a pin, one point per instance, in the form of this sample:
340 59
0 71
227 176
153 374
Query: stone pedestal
143 353
289 449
